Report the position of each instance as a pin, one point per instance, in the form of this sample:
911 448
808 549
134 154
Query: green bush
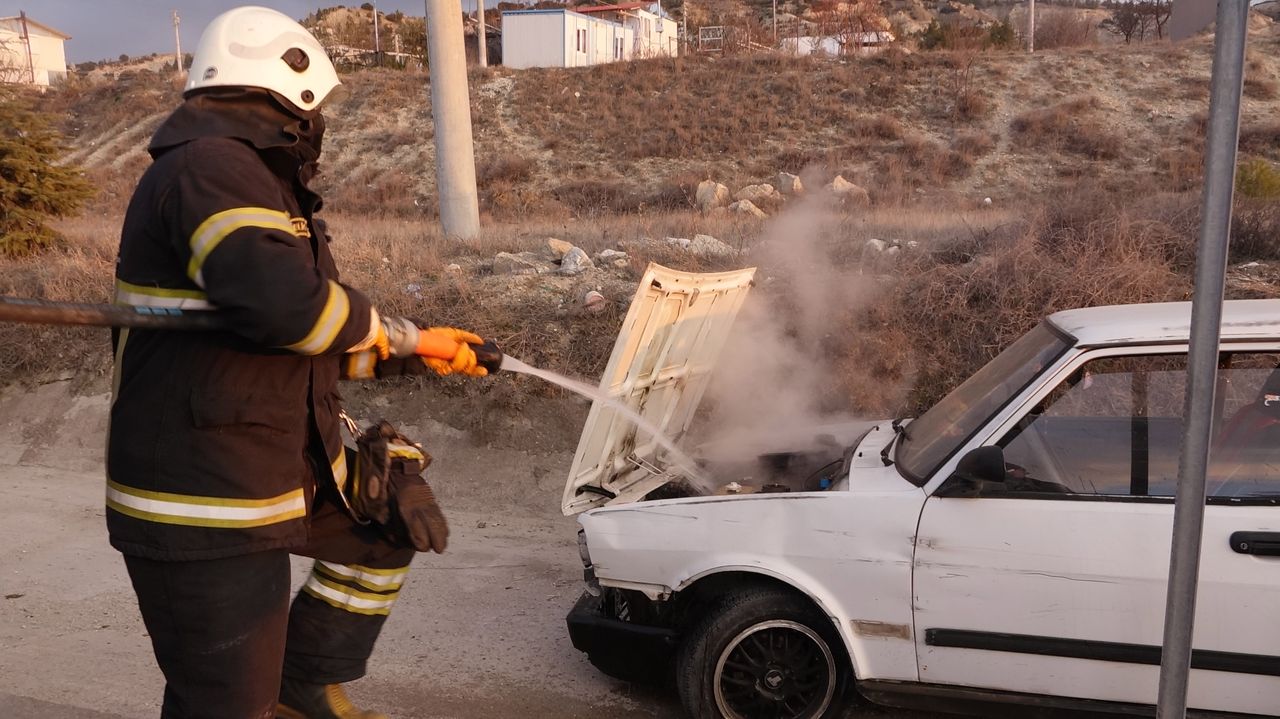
1002 36
1257 178
34 186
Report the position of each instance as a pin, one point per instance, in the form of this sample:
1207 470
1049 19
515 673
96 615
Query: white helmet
260 47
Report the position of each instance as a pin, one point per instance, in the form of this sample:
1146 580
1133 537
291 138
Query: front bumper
622 649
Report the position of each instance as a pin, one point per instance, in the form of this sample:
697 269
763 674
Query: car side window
1244 463
1114 428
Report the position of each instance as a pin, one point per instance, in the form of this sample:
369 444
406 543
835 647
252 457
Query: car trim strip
1098 650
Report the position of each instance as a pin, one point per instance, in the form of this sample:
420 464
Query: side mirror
976 471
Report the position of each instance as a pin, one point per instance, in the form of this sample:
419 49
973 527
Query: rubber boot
304 700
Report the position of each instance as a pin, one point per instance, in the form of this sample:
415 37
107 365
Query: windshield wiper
898 431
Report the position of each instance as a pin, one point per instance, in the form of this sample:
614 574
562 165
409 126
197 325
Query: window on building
617 48
582 40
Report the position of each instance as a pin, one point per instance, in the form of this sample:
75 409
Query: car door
1052 581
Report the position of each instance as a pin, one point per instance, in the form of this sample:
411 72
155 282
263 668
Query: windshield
932 438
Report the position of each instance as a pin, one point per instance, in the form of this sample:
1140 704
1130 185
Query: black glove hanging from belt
388 489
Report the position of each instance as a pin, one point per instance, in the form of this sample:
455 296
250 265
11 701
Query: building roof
612 8
1166 322
17 23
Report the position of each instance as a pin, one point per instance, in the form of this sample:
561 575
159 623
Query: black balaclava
289 139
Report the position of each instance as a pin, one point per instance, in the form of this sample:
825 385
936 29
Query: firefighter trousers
223 630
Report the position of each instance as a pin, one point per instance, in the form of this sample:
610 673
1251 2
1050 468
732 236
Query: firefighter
225 451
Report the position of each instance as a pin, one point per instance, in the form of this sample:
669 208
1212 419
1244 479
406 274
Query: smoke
777 377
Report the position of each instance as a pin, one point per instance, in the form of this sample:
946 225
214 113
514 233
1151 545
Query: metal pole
26 38
1031 25
775 23
451 114
482 48
1206 320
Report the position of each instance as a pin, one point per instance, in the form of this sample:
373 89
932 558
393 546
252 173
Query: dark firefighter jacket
217 438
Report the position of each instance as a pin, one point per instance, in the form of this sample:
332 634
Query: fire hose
46 312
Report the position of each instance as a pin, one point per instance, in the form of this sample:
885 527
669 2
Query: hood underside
660 366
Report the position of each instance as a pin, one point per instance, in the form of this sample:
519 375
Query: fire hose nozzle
488 356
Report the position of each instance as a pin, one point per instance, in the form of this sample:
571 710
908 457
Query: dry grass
79 270
627 137
695 108
980 279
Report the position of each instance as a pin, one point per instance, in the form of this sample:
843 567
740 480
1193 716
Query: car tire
761 650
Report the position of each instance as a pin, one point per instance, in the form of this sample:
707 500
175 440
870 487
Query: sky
101 29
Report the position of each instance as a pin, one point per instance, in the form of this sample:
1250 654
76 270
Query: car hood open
660 366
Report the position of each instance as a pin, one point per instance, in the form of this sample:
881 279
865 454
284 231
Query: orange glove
447 350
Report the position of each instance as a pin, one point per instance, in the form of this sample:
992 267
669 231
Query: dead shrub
512 169
1080 252
1070 127
1260 139
933 164
880 127
972 145
374 192
1255 231
598 197
1056 28
1261 88
1181 167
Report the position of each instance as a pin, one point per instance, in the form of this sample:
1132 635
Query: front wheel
763 654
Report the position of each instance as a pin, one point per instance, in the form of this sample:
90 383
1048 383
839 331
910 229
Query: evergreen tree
34 186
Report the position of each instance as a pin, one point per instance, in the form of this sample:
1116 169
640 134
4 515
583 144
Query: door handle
1266 544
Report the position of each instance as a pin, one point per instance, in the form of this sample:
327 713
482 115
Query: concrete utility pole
684 26
26 40
775 23
482 41
1031 25
177 44
451 113
377 39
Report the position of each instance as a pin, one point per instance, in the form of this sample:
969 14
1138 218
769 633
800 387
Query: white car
1008 547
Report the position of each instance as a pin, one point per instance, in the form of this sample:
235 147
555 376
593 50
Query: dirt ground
478 631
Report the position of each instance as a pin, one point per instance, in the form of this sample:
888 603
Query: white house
586 35
655 31
34 57
561 38
862 43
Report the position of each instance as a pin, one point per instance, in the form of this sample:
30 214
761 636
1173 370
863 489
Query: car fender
794 578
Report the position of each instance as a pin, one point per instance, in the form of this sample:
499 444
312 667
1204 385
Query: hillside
948 127
1090 158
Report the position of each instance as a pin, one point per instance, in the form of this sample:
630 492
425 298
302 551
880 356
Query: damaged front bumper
601 627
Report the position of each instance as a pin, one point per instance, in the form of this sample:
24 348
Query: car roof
1164 322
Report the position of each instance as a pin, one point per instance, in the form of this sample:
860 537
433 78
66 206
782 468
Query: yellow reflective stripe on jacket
346 598
339 468
382 580
142 296
196 511
361 365
215 229
328 324
407 451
